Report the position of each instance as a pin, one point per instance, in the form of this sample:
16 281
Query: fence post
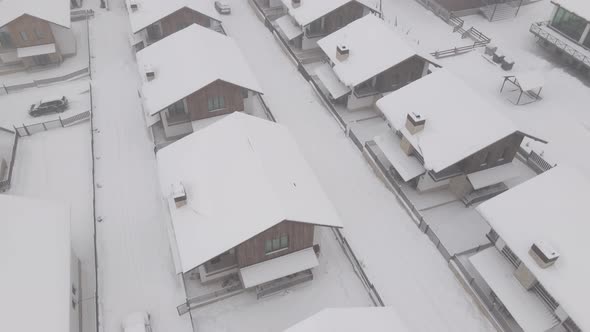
60 122
26 130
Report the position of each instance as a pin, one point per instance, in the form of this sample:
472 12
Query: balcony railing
561 42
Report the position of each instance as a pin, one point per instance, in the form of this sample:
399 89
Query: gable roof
458 122
35 254
552 208
152 11
578 7
374 48
311 10
183 66
53 11
374 319
242 175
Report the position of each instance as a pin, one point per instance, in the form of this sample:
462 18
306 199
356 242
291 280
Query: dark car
222 8
49 105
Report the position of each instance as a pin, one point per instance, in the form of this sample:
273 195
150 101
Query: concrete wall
354 103
177 129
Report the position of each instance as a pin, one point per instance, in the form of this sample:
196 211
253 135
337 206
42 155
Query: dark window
24 36
154 31
216 103
569 24
587 41
315 27
39 33
276 244
177 109
245 93
5 40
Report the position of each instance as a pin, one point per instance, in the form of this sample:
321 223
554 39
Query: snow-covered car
137 322
49 105
222 8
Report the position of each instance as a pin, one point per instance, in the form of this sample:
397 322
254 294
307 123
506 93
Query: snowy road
135 265
406 268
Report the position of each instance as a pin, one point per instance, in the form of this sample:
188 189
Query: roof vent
543 254
342 52
133 5
295 3
415 122
179 195
150 73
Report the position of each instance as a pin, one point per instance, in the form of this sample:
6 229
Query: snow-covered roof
279 267
290 29
53 11
525 307
530 80
35 254
406 166
328 78
187 61
579 7
552 208
311 10
151 11
374 48
373 319
242 175
490 176
458 122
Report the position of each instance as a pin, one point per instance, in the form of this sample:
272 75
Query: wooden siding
198 102
181 19
252 251
400 75
31 26
342 16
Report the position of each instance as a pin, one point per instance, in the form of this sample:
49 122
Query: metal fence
30 129
5 183
40 83
537 29
197 301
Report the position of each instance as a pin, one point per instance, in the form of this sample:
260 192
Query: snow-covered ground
405 267
136 272
14 107
57 165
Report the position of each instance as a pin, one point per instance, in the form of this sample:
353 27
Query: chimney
179 195
342 52
150 74
415 122
133 5
543 254
295 3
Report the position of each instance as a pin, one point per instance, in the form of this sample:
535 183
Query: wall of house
499 153
343 16
458 5
181 19
65 41
30 25
402 74
252 251
197 103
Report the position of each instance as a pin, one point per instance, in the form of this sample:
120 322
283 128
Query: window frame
24 36
216 103
276 244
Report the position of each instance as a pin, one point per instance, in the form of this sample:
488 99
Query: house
243 200
363 66
567 31
308 20
444 136
38 266
536 272
34 33
373 319
152 20
184 82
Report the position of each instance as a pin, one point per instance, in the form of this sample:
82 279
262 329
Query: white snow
578 7
458 122
524 306
152 11
35 50
180 73
311 10
279 267
228 205
406 166
331 82
493 175
530 80
551 208
35 253
290 30
373 319
53 11
374 47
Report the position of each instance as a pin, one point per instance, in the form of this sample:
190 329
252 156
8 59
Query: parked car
137 322
222 8
49 105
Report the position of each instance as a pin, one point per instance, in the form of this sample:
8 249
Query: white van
137 322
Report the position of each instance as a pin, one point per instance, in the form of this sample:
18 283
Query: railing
535 161
277 286
28 130
5 184
195 302
81 14
42 82
536 29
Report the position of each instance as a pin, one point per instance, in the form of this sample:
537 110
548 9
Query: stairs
500 11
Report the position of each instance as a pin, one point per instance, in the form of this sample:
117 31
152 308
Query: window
39 33
154 31
276 244
216 103
569 24
5 40
177 109
24 36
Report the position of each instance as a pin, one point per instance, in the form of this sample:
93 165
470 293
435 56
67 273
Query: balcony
550 36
